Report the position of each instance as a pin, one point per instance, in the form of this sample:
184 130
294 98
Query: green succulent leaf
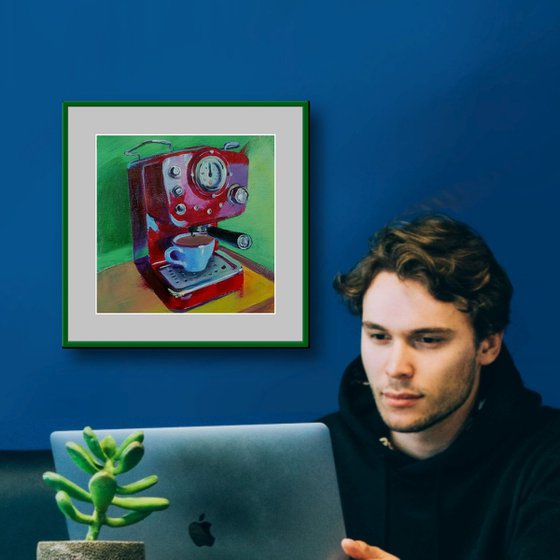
109 446
59 482
102 487
136 436
142 504
92 441
127 519
82 458
130 457
67 508
137 486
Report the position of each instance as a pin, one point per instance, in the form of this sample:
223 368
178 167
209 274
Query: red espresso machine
187 191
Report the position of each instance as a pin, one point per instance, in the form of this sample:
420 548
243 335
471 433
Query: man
441 452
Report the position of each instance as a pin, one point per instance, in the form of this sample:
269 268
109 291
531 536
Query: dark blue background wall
415 105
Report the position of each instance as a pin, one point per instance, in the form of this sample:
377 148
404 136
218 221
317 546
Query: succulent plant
104 460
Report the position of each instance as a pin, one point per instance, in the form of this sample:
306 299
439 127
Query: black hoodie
494 493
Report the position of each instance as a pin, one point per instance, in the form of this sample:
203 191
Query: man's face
419 354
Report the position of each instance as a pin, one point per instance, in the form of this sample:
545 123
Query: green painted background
114 234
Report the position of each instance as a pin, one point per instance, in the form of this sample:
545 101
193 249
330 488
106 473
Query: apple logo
199 532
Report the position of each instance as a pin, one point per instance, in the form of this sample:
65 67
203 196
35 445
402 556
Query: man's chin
414 423
406 427
400 423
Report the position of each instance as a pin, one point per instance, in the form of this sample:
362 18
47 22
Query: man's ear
489 348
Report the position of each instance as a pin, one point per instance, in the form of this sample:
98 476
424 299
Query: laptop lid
235 492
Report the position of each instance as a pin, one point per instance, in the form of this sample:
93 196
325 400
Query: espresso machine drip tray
179 282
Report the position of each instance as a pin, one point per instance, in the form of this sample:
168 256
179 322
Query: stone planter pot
90 550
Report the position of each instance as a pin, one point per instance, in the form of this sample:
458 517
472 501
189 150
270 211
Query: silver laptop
236 492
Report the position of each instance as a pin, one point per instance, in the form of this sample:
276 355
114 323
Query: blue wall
415 105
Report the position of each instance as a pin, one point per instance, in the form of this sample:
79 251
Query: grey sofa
28 512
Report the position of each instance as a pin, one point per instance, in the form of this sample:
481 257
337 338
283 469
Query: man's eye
379 336
430 340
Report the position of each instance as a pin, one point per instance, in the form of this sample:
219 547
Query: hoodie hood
503 403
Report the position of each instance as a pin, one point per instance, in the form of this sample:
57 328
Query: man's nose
400 361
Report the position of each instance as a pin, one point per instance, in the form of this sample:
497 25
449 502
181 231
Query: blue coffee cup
191 251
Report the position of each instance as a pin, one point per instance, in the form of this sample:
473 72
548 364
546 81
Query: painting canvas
185 224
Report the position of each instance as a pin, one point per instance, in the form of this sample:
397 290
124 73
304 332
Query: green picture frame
124 205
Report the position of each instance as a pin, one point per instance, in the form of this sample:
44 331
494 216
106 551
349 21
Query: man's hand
359 550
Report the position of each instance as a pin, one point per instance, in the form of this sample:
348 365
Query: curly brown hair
449 258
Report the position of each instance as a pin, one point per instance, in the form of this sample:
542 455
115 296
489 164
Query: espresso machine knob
244 241
175 171
238 195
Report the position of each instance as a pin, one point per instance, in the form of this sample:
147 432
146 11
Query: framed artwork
185 224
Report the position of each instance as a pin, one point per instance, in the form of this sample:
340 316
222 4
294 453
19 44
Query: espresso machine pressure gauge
211 173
